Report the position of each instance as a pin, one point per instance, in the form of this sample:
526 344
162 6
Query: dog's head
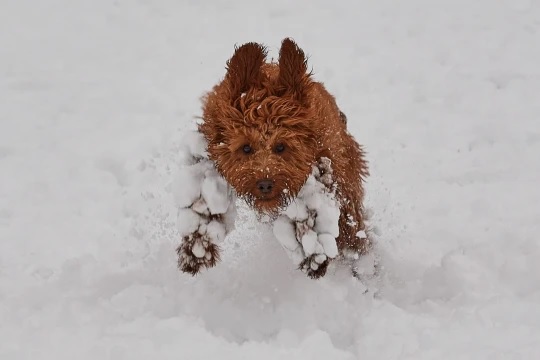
259 125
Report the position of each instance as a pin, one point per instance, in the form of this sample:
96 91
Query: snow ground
95 96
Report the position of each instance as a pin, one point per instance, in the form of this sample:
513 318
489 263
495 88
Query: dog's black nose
265 186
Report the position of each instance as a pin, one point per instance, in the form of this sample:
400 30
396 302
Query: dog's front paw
309 226
200 233
318 249
310 250
315 265
206 207
196 253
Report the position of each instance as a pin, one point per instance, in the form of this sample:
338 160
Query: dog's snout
265 186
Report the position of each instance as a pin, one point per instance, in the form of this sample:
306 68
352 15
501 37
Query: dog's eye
246 149
280 148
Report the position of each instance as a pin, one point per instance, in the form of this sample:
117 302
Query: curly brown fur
272 121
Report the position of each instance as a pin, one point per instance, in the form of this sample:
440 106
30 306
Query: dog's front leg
206 208
309 226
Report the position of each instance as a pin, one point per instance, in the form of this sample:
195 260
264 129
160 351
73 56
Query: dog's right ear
244 68
293 76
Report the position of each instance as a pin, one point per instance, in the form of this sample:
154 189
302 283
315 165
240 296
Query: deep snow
94 99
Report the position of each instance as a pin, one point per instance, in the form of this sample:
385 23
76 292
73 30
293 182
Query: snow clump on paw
284 230
195 145
308 227
188 221
315 213
215 192
186 186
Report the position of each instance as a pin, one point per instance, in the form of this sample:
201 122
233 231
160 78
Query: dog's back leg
353 240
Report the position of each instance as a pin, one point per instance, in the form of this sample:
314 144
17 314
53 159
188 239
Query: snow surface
95 96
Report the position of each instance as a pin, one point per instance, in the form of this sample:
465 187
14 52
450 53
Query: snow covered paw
206 207
196 253
315 266
309 226
310 250
318 249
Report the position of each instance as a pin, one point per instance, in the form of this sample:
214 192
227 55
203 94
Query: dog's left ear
293 76
244 68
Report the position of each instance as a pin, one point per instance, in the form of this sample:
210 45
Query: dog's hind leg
308 228
206 208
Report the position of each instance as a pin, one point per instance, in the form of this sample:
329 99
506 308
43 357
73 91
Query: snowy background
95 96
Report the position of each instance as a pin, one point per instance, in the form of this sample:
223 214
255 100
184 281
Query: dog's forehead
266 118
265 132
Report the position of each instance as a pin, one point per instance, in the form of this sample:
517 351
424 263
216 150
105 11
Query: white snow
361 234
309 242
320 258
328 242
194 143
284 231
215 192
187 184
188 221
327 218
96 97
216 231
198 250
297 210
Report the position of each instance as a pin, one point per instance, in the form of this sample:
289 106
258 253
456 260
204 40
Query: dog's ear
293 76
244 68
